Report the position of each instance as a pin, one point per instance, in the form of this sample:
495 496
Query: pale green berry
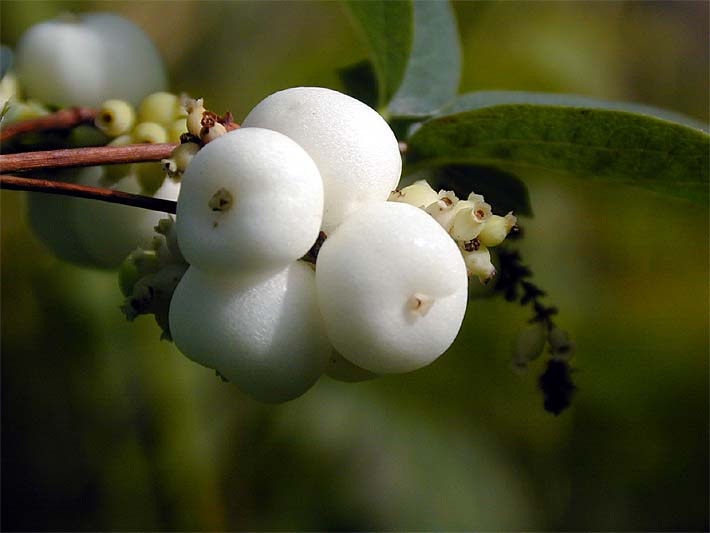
25 111
419 194
176 129
151 176
263 334
353 147
89 59
161 107
149 132
478 263
113 173
340 369
392 288
251 200
115 117
496 229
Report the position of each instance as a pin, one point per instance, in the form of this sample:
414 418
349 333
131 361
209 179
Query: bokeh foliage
105 427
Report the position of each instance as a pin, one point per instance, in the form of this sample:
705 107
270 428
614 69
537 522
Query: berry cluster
102 235
92 60
291 260
389 290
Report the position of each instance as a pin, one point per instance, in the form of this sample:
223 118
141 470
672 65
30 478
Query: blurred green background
104 427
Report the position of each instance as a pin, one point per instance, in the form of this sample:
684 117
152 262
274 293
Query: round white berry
250 200
51 218
392 288
263 334
109 232
86 60
354 148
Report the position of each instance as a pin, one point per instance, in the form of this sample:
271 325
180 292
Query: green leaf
387 28
480 99
434 67
618 146
360 82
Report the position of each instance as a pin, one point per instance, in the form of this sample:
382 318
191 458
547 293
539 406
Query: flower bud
419 194
211 132
445 208
179 159
560 343
166 227
195 109
478 263
466 225
529 345
496 229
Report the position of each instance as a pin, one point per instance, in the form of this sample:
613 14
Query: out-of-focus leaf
360 82
480 99
623 147
504 191
387 28
434 67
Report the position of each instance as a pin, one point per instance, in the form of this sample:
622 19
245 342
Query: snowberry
44 212
354 148
85 60
392 288
108 232
250 200
263 334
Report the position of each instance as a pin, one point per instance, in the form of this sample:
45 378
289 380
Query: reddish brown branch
83 157
16 183
61 120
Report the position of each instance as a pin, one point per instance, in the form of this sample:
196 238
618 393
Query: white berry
250 200
354 148
263 334
392 288
86 60
109 232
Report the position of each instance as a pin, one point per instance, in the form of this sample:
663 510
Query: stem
84 157
15 183
61 120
